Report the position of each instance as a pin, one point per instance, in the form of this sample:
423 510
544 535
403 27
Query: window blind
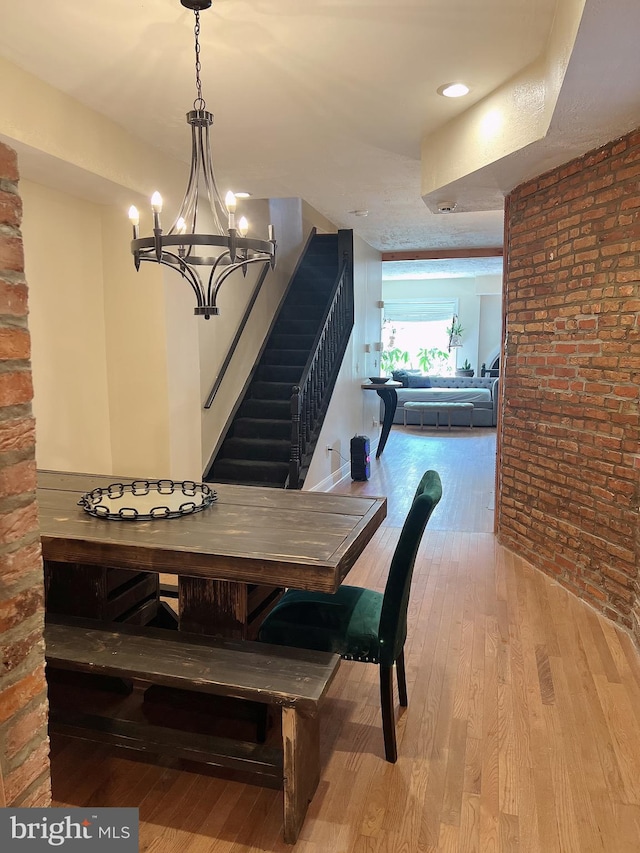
419 310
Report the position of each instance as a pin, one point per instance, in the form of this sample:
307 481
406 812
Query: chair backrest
393 620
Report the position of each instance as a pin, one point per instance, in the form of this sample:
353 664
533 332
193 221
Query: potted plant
465 370
455 331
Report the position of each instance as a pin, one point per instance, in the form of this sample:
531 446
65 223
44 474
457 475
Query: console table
387 393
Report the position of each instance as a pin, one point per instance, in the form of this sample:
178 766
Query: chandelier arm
213 193
231 269
186 272
187 209
191 196
211 288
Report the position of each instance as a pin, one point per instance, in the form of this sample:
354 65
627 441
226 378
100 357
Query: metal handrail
309 397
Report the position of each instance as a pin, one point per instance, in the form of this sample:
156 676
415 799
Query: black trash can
360 459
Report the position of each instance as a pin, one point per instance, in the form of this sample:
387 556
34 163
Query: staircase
257 447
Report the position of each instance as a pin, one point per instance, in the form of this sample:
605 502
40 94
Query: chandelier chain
199 103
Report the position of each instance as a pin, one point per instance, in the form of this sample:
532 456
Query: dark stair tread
263 484
263 389
311 286
279 373
291 357
262 427
266 449
258 471
309 308
296 326
291 342
292 311
265 409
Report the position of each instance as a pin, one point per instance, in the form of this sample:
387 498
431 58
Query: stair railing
245 317
310 398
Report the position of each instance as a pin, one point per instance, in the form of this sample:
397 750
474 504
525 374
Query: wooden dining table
231 560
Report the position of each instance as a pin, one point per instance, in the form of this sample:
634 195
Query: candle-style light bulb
243 226
134 219
156 207
181 228
230 201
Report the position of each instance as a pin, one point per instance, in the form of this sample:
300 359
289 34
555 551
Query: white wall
136 358
102 376
68 336
100 367
183 379
489 343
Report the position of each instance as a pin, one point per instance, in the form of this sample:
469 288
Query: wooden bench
293 680
437 407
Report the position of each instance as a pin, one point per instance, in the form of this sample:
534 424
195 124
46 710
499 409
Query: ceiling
330 100
438 268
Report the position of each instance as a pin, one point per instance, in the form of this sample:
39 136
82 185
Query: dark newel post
294 460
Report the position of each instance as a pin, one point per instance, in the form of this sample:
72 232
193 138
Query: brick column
24 746
571 422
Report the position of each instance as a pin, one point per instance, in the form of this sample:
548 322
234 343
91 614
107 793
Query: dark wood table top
377 386
305 540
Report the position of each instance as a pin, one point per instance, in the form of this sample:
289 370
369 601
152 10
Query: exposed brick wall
24 747
570 423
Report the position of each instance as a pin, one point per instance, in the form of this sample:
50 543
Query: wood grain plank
280 674
301 739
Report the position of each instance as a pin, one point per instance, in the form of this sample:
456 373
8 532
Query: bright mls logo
35 830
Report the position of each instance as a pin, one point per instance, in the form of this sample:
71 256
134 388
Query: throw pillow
419 382
401 376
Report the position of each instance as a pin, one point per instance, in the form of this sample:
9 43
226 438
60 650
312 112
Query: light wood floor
523 726
465 460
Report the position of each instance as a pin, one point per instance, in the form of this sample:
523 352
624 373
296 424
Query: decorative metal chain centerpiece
146 500
180 248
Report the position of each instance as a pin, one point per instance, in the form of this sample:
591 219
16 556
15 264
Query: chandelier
204 260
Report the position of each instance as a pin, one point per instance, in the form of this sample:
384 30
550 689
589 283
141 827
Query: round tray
145 500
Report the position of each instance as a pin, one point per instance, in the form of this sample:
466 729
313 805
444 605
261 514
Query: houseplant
465 370
430 360
455 331
393 359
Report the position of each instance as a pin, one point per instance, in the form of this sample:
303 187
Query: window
415 337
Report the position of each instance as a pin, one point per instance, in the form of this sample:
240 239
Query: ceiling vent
446 206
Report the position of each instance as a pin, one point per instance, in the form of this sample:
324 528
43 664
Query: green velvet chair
361 624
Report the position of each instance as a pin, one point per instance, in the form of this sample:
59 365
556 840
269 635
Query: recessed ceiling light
453 90
359 212
242 194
